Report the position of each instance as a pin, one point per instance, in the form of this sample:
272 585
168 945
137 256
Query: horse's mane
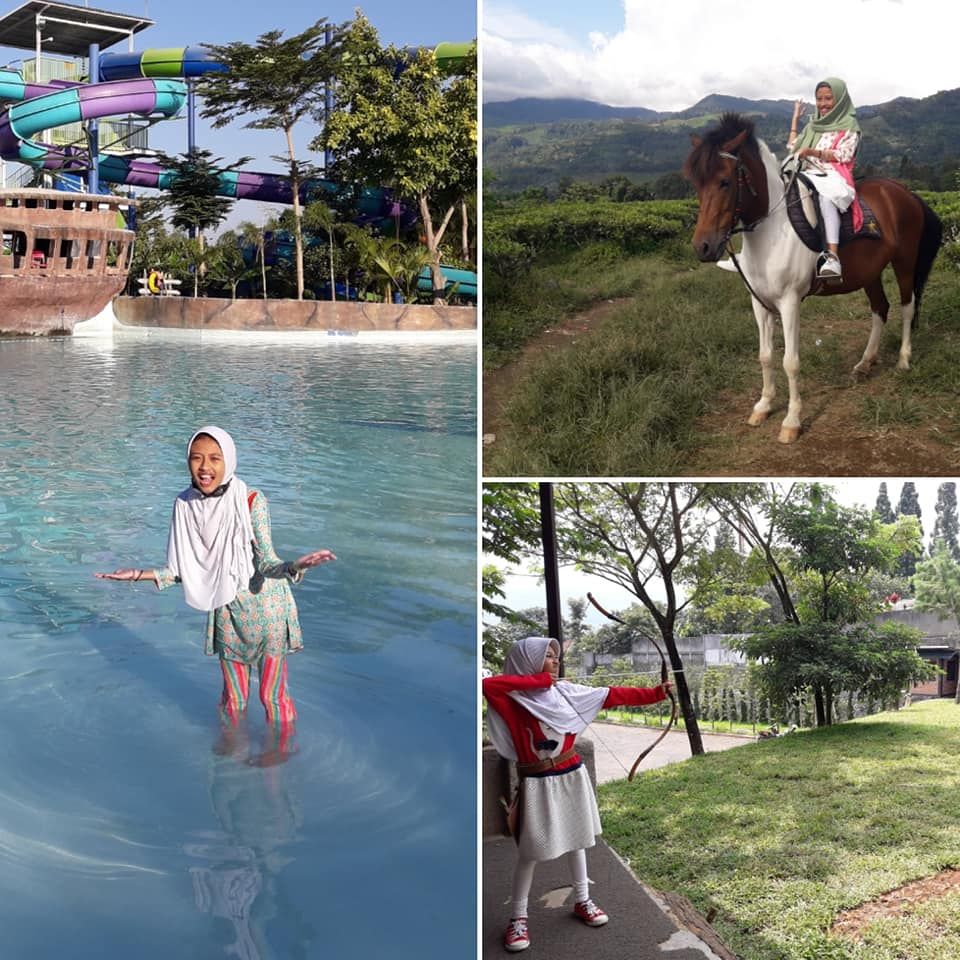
703 158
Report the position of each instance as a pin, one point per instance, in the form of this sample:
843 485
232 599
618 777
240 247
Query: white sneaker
830 269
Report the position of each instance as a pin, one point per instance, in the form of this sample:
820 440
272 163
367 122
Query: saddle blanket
812 233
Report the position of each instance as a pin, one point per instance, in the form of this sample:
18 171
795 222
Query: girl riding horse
828 147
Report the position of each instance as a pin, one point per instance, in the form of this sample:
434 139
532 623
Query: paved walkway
617 745
644 924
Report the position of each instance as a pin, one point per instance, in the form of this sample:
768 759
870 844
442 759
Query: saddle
803 209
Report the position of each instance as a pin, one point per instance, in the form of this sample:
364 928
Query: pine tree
884 509
946 527
909 505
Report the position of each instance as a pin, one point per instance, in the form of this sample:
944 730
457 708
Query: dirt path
499 384
836 440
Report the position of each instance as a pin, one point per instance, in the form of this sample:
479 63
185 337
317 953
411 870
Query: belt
541 766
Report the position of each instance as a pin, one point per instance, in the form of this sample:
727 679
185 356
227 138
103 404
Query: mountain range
533 142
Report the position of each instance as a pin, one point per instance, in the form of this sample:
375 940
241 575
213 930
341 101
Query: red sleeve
503 683
634 696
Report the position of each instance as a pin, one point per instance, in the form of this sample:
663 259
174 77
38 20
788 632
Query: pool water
129 826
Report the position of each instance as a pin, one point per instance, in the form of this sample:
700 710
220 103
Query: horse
738 180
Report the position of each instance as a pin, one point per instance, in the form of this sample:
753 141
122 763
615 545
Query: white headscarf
210 544
565 707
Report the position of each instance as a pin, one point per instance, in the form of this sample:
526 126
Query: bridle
744 179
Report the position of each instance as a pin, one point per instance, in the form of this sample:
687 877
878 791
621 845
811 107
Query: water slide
151 84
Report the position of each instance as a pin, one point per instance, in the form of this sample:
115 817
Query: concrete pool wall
187 313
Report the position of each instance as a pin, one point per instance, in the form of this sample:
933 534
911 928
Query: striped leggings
274 694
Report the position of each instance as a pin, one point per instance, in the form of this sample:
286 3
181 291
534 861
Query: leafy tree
635 535
255 236
497 638
192 196
226 263
909 505
318 216
411 129
937 585
876 661
884 509
511 531
672 186
824 580
620 638
279 82
945 528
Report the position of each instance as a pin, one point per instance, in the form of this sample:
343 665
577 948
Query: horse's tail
930 241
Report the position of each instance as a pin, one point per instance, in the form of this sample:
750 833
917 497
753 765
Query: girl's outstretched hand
314 559
120 575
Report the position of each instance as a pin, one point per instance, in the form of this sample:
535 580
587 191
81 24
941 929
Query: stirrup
830 269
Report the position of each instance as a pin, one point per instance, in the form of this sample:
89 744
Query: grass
779 836
627 400
658 716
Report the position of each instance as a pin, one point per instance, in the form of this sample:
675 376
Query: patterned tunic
262 619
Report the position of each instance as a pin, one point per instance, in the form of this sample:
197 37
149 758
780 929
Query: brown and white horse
738 180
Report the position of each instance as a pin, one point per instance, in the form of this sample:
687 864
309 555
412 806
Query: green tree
884 509
937 585
511 532
226 264
255 236
529 622
823 558
318 216
877 662
414 130
909 505
192 197
280 82
945 528
636 535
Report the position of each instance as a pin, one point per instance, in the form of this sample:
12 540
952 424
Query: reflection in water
251 798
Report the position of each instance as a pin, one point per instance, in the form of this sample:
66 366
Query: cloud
668 56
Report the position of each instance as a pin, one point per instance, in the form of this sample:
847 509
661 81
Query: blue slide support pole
93 127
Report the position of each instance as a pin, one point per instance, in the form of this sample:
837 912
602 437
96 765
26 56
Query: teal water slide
152 84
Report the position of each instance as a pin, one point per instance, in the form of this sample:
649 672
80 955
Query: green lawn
626 401
779 836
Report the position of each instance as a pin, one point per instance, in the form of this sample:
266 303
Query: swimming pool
124 828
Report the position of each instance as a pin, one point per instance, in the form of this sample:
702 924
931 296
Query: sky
667 56
181 23
525 590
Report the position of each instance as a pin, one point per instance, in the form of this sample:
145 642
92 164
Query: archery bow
664 678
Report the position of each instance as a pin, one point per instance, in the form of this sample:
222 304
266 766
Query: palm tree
318 216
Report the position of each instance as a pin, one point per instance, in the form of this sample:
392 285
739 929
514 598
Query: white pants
831 219
523 880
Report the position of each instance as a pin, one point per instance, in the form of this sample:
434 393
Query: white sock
577 860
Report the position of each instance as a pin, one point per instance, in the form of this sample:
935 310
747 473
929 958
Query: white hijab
210 547
565 707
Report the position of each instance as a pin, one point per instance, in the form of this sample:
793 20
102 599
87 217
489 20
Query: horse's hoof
862 369
756 418
903 364
789 434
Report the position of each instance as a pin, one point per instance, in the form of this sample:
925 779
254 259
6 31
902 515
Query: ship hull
63 258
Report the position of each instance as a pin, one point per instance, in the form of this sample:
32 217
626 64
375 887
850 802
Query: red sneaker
590 913
516 938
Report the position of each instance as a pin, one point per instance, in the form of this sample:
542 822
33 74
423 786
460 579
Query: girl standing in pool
220 550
